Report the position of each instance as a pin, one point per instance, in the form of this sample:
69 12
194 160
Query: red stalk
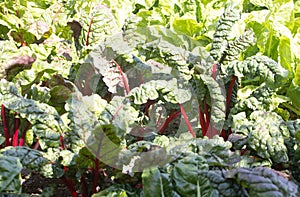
5 128
96 175
147 105
84 187
70 185
22 139
231 85
171 117
56 14
117 111
214 71
202 121
61 138
88 32
124 78
141 77
211 132
207 118
15 140
187 122
37 145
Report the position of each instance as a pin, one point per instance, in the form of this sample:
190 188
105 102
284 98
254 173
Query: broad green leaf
293 93
86 131
258 68
10 180
187 26
97 23
186 179
258 181
46 122
264 131
118 190
33 160
285 54
157 183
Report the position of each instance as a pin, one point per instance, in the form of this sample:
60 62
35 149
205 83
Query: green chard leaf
157 183
265 133
46 123
10 180
251 182
97 23
220 40
34 160
259 68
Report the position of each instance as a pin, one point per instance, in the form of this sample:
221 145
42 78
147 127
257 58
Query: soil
37 184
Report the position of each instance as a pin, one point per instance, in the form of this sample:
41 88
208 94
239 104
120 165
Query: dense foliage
151 98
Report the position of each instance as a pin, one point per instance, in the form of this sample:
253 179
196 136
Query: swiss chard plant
151 98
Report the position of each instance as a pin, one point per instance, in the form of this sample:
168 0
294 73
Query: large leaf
251 182
10 168
46 123
259 68
97 23
87 131
186 179
157 183
33 160
169 90
265 134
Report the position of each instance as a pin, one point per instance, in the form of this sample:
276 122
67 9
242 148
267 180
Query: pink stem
207 118
22 140
96 175
70 185
187 122
202 121
125 81
15 140
88 32
5 128
171 117
229 94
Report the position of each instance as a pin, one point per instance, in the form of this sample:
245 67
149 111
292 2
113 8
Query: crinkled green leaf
217 95
86 131
97 23
46 123
157 183
259 68
10 180
121 114
216 151
265 132
234 48
169 90
34 160
186 179
251 182
220 40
